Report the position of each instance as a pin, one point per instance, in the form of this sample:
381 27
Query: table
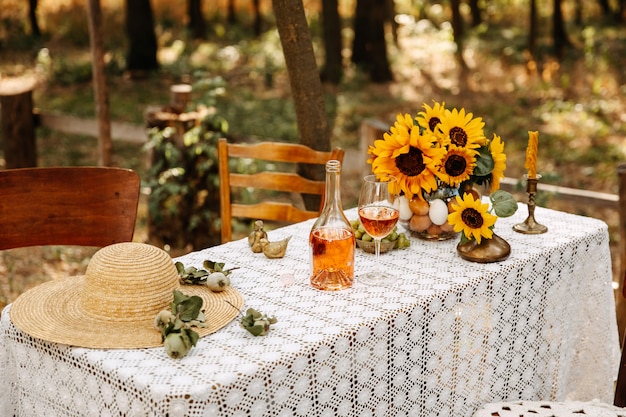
449 336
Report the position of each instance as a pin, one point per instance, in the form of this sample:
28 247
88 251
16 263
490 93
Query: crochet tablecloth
446 338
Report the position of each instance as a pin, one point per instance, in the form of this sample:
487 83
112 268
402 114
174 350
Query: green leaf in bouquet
504 204
484 162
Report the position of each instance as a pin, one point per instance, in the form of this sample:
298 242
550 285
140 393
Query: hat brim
52 311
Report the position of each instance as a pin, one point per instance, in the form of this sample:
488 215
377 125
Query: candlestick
531 154
530 225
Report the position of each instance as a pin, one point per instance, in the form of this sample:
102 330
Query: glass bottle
332 242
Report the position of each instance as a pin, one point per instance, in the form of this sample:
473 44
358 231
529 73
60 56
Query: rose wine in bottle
332 240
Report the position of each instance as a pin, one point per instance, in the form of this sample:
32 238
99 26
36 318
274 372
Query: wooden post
620 302
18 127
180 97
369 131
621 211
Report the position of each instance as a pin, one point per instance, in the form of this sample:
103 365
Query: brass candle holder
530 225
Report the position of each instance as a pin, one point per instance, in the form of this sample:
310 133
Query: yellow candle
531 154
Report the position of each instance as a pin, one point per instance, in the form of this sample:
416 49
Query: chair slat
270 181
277 181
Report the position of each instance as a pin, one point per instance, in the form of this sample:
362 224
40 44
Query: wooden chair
284 182
83 206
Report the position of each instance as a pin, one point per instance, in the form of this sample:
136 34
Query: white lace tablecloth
448 337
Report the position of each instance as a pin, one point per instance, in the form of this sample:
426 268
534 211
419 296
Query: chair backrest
83 206
284 182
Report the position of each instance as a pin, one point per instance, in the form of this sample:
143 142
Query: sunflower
431 117
496 147
472 218
457 165
407 155
463 129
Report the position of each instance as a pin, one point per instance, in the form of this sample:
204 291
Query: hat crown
129 281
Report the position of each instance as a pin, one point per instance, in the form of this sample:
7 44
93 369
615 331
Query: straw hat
115 303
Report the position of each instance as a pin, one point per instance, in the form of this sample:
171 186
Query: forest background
575 97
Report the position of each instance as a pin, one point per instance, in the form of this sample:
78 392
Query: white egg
438 212
404 209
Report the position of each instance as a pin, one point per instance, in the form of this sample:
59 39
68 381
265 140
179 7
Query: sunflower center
411 163
458 136
433 122
472 218
455 165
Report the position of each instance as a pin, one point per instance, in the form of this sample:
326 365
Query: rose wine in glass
378 212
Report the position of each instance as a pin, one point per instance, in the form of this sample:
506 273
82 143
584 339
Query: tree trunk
578 12
197 25
100 84
458 30
258 19
333 68
359 42
369 49
142 52
606 7
32 17
306 86
231 16
532 32
476 13
559 34
17 124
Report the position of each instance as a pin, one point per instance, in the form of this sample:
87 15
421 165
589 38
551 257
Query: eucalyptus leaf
256 330
189 309
256 323
504 204
178 298
193 337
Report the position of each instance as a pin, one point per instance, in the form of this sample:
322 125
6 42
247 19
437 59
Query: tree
32 17
476 13
231 16
369 49
142 44
559 35
197 25
458 30
331 23
305 82
99 82
532 32
258 20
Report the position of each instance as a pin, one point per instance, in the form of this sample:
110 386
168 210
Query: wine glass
378 212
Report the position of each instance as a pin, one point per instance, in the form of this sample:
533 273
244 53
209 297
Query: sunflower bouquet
443 149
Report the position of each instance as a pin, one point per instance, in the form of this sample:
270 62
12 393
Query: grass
578 103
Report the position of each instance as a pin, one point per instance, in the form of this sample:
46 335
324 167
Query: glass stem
377 250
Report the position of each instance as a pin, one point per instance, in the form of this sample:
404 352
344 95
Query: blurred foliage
183 202
577 102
